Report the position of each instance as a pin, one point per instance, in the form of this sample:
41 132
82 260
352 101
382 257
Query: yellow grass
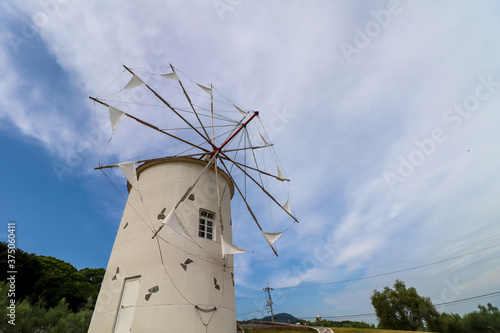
335 330
363 330
272 331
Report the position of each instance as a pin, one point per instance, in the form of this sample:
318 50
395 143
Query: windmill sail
115 116
128 170
272 237
286 207
280 175
264 140
228 248
171 76
240 110
206 89
173 221
134 82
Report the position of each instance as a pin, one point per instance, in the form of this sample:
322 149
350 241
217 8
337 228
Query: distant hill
281 318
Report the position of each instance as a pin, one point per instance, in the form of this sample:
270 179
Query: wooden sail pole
177 156
246 148
258 170
262 188
214 158
151 126
171 108
246 203
212 111
191 103
151 160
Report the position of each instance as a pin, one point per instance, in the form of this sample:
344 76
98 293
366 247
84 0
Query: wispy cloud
340 128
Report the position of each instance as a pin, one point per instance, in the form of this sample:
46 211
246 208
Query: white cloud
348 124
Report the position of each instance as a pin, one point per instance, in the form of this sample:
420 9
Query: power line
344 316
297 293
469 299
469 266
388 273
463 300
247 313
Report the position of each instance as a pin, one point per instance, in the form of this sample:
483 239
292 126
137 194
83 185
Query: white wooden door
127 306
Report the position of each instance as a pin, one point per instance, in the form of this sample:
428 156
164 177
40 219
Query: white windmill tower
171 267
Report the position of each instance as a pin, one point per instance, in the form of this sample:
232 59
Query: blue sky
384 114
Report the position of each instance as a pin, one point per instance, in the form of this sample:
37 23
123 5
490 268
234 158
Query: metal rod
256 113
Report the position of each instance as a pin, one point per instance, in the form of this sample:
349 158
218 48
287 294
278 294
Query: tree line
401 308
51 295
329 323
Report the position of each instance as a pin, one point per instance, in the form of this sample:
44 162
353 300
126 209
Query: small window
206 227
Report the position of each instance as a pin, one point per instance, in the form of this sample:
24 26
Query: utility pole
270 301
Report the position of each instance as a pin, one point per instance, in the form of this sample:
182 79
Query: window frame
206 221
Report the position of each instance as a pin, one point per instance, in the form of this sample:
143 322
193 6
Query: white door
127 306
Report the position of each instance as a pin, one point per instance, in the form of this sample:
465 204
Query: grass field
280 330
337 330
363 330
275 331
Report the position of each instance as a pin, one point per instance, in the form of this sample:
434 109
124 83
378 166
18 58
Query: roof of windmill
146 165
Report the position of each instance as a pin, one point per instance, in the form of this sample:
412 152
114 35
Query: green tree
449 323
403 309
52 279
24 318
61 319
61 280
29 268
36 318
487 319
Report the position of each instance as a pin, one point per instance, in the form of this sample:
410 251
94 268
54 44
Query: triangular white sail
115 116
135 81
228 248
173 221
286 207
264 140
206 89
171 76
272 237
128 169
241 111
280 175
